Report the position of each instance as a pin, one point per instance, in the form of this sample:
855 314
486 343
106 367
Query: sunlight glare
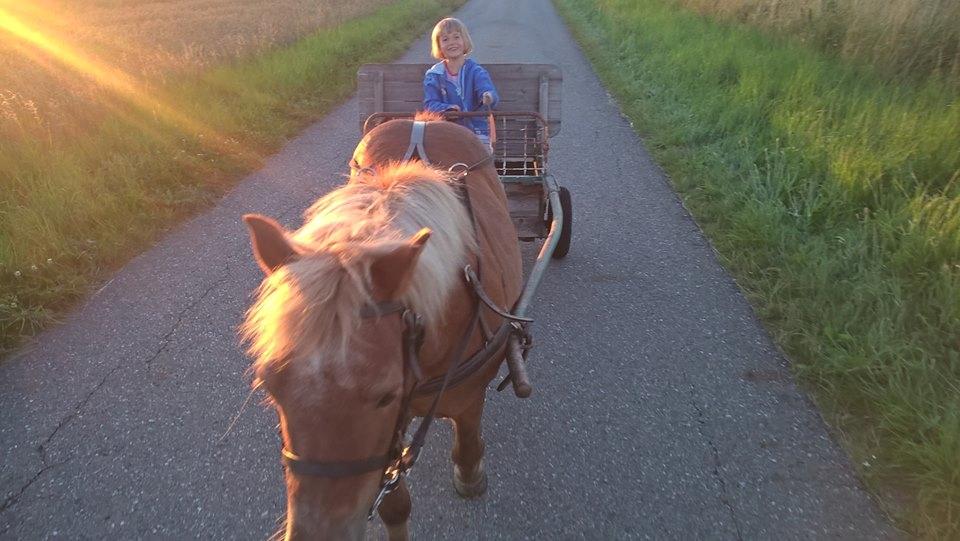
114 80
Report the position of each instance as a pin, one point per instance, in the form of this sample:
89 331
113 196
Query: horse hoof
397 533
472 488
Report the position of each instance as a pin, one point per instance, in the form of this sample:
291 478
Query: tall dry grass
120 118
902 37
42 98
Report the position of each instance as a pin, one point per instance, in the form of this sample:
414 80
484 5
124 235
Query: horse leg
469 478
395 512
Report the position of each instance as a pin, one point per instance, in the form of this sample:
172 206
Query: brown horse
328 338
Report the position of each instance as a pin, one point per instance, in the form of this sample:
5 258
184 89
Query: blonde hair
446 26
310 307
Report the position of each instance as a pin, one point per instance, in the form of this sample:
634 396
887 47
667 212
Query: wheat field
120 117
49 91
902 37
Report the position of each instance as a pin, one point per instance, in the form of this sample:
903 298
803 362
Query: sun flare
43 47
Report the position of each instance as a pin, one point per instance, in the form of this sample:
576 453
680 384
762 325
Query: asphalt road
661 407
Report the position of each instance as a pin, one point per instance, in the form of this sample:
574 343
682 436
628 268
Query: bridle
402 453
412 336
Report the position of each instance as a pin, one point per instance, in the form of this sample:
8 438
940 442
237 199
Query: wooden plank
397 104
529 229
393 105
506 79
396 71
409 72
407 90
544 98
366 108
526 212
523 87
378 92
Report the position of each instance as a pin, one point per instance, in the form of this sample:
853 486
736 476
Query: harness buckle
413 323
524 336
392 478
393 474
459 170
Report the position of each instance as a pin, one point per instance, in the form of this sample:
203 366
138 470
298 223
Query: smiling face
452 45
450 40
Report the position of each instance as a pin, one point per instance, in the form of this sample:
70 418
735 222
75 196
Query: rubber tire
566 204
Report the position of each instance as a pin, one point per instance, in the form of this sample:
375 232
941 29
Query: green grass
833 194
69 211
900 38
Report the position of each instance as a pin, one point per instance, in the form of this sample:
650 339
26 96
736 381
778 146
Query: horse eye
385 399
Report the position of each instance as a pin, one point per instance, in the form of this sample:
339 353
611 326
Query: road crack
14 498
165 339
41 449
724 495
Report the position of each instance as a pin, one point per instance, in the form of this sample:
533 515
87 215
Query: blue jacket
439 94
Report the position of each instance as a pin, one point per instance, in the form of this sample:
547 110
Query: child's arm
433 97
483 84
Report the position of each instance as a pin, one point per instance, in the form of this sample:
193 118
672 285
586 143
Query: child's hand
487 98
453 108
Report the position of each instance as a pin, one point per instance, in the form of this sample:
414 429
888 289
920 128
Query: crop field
59 58
120 118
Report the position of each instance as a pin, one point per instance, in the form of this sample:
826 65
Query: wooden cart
527 115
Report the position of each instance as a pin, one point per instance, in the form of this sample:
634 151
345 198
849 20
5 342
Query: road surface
661 408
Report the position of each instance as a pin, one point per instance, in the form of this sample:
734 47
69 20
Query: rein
403 453
401 456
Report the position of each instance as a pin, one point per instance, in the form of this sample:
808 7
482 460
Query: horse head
327 331
338 403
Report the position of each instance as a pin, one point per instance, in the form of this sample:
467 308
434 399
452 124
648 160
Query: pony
330 335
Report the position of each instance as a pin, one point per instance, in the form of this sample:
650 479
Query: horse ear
390 273
270 245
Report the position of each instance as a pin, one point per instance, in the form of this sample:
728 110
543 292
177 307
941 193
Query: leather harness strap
332 469
416 142
468 367
474 281
400 458
455 360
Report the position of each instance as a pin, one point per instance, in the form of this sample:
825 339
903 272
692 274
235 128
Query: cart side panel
526 204
398 88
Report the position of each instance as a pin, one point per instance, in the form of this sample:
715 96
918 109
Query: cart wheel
563 246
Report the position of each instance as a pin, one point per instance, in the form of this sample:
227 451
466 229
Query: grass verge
70 211
833 194
900 38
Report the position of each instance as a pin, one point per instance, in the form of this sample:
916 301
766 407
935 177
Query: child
457 83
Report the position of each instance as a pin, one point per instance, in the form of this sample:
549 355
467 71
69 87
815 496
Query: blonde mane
310 307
